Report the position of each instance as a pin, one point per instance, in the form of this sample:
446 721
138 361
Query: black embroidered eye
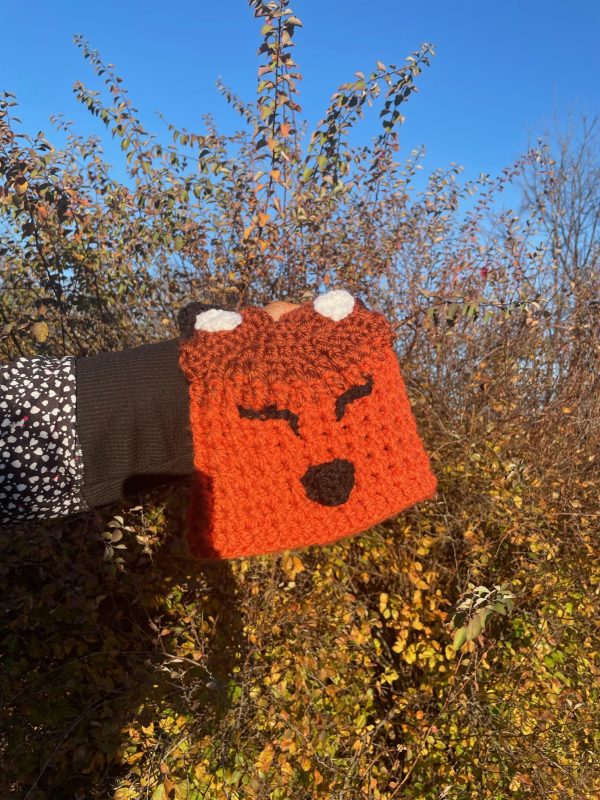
272 412
351 394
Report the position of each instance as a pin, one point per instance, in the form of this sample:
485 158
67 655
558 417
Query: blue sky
502 72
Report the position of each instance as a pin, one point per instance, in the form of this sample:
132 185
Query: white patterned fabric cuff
41 464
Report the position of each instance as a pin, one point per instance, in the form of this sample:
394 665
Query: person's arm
41 464
132 421
78 433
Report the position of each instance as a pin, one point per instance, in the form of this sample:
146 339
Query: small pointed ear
216 320
335 304
186 317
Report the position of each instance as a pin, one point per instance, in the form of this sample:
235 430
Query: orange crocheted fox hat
302 429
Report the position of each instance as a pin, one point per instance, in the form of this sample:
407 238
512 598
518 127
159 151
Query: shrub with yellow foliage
449 654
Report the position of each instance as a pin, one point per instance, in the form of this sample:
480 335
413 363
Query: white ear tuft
217 319
335 305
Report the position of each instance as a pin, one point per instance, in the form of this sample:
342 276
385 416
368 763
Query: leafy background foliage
450 653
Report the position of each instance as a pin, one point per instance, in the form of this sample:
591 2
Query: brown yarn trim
272 412
351 394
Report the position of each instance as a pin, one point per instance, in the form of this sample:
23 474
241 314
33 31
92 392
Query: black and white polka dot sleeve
77 433
41 464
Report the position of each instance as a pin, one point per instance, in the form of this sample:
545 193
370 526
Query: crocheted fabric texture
302 429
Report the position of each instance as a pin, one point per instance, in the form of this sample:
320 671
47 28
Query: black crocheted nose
329 484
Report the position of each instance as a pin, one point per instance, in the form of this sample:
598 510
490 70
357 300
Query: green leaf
451 310
474 627
460 638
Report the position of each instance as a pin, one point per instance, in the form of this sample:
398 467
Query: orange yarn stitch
302 429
